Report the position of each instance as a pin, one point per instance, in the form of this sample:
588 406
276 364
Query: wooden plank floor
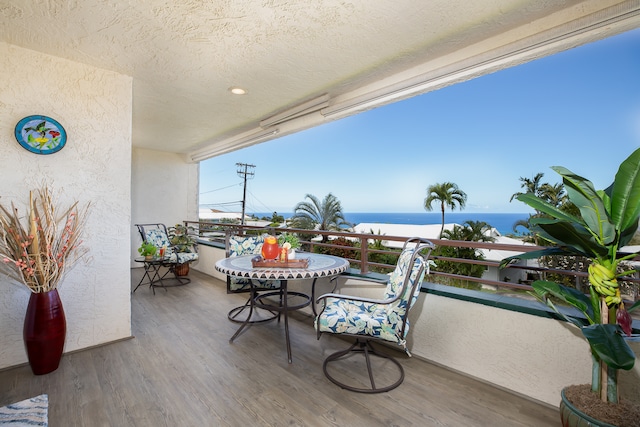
181 370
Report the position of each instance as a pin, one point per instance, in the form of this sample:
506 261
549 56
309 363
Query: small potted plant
147 250
182 241
291 242
181 238
608 220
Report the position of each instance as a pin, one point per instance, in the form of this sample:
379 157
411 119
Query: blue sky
579 109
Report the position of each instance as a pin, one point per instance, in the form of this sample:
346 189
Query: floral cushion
159 239
181 257
246 245
383 321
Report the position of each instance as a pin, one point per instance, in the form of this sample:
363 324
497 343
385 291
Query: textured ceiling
184 55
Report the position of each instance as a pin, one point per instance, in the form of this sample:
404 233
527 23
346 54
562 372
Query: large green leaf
610 347
545 207
627 234
605 195
539 225
625 194
535 255
594 297
568 295
592 209
574 239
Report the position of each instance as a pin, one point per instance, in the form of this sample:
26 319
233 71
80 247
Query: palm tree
471 231
326 215
448 194
531 185
524 223
557 196
554 194
477 231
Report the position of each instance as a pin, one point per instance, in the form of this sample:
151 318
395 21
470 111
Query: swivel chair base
364 347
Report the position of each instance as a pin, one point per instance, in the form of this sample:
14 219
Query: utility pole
243 171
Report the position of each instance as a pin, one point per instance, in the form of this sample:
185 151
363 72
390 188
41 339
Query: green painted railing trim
356 274
205 242
492 300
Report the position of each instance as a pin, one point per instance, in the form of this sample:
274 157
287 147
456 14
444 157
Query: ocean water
503 222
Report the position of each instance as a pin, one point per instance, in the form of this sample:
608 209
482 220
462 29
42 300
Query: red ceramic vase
45 329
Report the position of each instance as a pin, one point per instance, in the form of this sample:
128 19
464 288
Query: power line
222 203
222 188
267 209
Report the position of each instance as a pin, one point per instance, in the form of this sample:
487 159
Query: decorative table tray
292 263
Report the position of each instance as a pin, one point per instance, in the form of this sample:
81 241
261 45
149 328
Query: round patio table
319 266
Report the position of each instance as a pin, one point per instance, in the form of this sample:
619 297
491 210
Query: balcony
135 174
501 336
180 369
478 359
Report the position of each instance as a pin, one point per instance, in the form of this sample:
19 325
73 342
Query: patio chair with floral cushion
248 244
174 257
369 320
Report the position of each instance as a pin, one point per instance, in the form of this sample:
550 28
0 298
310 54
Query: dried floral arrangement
38 248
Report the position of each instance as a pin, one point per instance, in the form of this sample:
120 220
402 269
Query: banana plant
607 222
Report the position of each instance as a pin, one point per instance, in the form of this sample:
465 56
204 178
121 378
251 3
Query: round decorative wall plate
41 134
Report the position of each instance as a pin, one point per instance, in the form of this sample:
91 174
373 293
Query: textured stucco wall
530 355
208 256
164 189
95 107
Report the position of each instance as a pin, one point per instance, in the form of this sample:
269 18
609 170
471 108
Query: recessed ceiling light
237 90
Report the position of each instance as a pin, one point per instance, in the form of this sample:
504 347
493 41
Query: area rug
30 412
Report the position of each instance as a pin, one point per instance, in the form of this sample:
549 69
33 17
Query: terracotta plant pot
45 329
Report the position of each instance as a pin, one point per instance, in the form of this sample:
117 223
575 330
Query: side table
154 278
